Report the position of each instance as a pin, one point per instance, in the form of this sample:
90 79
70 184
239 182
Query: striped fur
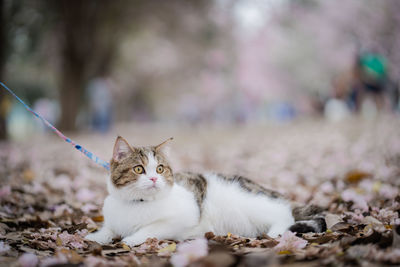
308 218
250 186
196 183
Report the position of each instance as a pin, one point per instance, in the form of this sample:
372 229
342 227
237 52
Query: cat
147 199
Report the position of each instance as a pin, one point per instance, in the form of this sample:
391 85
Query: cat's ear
121 149
163 146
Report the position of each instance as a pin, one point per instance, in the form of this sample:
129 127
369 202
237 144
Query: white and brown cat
147 199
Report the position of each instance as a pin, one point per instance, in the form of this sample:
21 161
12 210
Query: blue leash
89 154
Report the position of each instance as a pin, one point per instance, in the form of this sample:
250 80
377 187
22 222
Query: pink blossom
355 217
37 187
390 255
65 237
327 187
5 192
28 260
4 247
60 209
92 261
61 182
88 208
74 241
76 244
289 241
387 216
82 233
85 195
143 248
190 251
359 201
59 258
388 191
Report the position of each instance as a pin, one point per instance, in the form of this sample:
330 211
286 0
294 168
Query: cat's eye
138 169
160 168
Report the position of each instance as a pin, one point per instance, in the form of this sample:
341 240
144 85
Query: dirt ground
51 195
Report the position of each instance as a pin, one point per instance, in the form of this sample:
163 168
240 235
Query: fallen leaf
209 235
28 260
396 237
218 258
28 175
125 246
59 241
332 219
190 251
356 176
289 241
166 251
341 227
98 218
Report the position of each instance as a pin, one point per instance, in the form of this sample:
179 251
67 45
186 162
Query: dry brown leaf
28 175
170 248
396 237
332 219
98 218
356 176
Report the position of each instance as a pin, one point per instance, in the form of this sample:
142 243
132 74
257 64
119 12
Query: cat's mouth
153 186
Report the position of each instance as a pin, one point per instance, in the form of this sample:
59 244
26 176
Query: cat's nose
154 179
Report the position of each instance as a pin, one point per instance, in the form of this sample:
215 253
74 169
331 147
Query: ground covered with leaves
51 195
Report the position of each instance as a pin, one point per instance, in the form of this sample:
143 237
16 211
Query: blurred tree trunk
88 37
74 36
3 130
72 88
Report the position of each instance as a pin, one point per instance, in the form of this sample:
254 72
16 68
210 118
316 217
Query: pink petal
28 260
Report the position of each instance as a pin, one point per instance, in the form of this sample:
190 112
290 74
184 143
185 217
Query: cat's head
139 173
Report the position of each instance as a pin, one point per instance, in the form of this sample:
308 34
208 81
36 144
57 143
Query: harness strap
83 150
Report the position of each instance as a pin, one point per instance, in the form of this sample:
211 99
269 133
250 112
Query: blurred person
100 104
371 75
317 102
336 110
283 111
394 95
362 88
49 109
340 104
20 124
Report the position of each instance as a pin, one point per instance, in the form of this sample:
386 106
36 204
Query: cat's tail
308 219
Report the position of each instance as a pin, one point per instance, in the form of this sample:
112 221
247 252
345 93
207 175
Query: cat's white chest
125 218
122 218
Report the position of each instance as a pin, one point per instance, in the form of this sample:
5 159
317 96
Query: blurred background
301 96
86 65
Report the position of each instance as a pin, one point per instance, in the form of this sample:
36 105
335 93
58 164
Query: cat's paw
132 241
101 237
274 234
97 238
277 230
